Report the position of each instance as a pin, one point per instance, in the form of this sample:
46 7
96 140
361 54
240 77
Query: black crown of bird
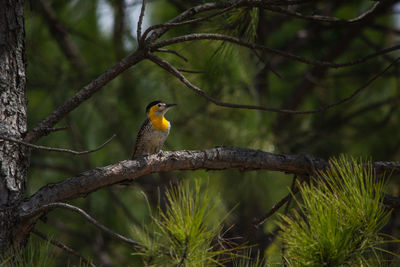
154 131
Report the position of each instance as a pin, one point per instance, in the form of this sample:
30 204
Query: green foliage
35 254
247 261
242 23
339 220
183 233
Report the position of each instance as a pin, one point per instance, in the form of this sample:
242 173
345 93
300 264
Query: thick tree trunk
14 159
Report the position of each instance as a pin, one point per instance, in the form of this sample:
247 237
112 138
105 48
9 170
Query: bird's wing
139 136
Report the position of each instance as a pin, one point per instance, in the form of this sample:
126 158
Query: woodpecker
154 130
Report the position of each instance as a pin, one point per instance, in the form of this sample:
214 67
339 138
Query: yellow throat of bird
159 122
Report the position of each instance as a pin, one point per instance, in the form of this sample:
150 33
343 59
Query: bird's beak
170 105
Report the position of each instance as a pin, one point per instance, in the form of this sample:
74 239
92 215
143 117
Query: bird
154 130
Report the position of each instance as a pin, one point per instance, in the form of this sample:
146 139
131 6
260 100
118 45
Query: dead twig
258 222
89 218
163 50
53 149
56 129
320 18
192 71
292 189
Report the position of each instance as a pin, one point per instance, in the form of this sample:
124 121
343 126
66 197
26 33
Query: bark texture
13 157
212 159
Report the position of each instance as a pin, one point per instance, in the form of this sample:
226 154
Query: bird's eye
158 105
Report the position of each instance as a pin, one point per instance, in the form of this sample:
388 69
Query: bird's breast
155 139
160 124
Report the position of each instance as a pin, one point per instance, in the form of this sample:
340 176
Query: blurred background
71 42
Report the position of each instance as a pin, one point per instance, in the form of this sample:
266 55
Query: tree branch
212 159
192 21
234 40
320 18
228 6
53 149
168 67
156 34
336 50
267 5
140 22
179 20
89 218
